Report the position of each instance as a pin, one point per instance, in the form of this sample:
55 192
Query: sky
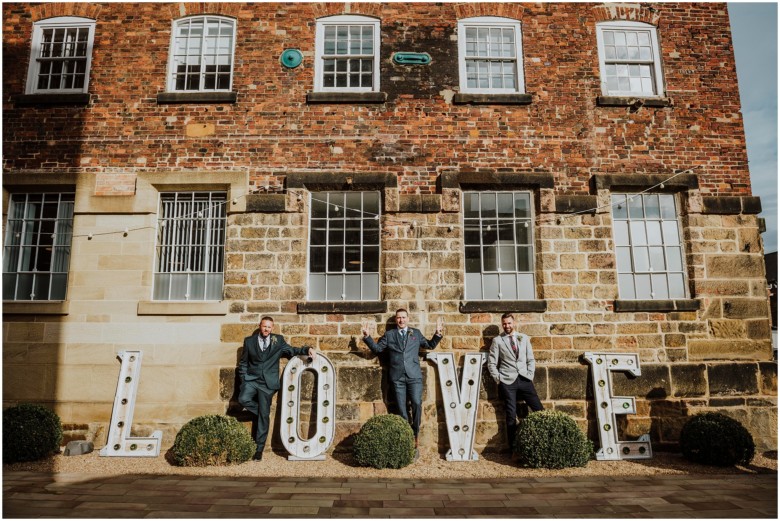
754 35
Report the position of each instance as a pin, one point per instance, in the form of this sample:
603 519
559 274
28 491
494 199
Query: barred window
344 246
347 54
202 54
61 53
490 55
190 246
648 246
629 59
37 246
499 246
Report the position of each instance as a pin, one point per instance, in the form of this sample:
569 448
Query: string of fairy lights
544 219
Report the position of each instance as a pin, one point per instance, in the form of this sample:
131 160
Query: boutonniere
273 340
411 336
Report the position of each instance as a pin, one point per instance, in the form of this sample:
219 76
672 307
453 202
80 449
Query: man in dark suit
511 363
403 345
259 372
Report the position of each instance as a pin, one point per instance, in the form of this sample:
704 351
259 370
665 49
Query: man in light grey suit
511 364
403 345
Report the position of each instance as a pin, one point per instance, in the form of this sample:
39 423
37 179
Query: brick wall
430 149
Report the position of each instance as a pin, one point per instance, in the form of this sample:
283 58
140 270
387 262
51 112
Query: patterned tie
514 346
263 343
403 338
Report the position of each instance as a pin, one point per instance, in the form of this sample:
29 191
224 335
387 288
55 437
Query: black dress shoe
258 455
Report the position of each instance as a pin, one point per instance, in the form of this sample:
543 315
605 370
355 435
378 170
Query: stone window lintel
503 306
343 307
656 306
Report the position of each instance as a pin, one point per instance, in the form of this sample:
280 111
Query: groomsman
511 364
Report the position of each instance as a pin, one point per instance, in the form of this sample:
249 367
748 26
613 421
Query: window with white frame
490 55
629 59
499 245
347 54
190 246
201 56
344 246
61 55
648 246
37 246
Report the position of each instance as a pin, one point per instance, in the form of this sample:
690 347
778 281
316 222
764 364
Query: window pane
619 207
352 287
488 205
371 286
624 260
638 234
635 207
334 288
508 286
626 286
660 290
316 286
657 259
668 210
621 233
653 232
506 205
525 284
671 233
471 205
674 258
473 260
642 287
490 287
676 285
641 259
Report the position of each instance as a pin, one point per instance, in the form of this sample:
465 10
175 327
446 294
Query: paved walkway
32 494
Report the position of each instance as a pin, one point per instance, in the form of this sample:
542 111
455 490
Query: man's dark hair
399 310
507 315
266 318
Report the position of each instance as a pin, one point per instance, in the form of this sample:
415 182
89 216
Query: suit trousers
256 398
411 389
521 388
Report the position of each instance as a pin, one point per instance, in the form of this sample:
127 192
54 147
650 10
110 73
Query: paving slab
48 494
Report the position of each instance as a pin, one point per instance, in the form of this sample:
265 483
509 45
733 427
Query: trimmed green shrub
551 439
712 438
212 440
30 432
384 441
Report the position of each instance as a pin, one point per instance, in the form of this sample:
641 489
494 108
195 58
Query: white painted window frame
330 275
520 277
319 71
171 69
491 22
60 22
633 245
656 61
172 244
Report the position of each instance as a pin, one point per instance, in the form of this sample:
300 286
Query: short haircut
266 318
401 310
507 315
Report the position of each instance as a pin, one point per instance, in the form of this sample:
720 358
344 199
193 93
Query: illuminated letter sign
325 391
607 406
119 441
460 404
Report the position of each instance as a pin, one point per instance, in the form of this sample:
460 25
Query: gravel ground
431 465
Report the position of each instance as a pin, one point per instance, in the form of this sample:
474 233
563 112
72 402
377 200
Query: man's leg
399 389
247 397
527 392
263 418
414 389
509 394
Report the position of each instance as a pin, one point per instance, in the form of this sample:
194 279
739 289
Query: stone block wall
269 149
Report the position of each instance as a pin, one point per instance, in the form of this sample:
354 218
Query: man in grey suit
259 372
403 345
511 364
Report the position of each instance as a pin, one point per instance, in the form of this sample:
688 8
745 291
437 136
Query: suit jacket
264 366
502 364
404 359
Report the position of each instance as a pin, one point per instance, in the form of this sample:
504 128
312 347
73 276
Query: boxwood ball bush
384 441
30 432
212 440
712 438
551 439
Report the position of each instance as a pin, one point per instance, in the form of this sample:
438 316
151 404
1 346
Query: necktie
263 343
512 343
403 337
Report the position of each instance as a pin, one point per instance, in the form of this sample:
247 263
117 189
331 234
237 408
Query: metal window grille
202 54
648 246
499 246
37 246
62 58
491 58
348 56
629 61
344 246
190 246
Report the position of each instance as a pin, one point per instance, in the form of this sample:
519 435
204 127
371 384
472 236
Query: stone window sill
40 307
182 308
346 97
51 99
345 307
464 98
632 101
657 306
503 306
196 97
